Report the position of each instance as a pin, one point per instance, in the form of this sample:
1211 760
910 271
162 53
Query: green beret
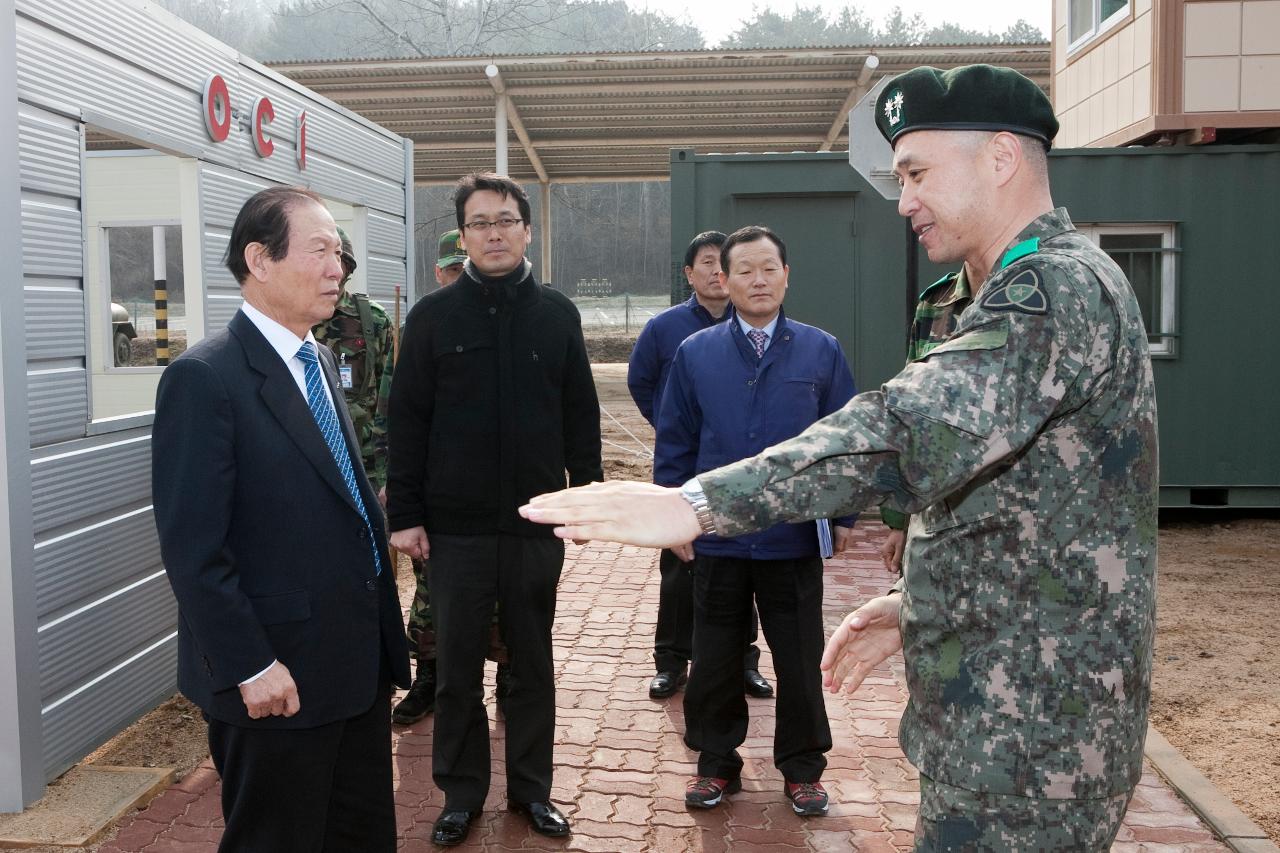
971 97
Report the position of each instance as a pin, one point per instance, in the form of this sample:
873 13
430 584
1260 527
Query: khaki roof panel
615 116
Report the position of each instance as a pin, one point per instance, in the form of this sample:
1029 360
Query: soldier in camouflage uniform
937 314
1025 449
420 700
359 333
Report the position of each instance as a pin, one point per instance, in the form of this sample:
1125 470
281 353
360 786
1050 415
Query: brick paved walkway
621 765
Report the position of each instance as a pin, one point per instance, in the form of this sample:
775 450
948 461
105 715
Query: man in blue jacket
646 377
733 390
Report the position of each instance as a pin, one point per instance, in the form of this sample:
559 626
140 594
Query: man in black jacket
492 402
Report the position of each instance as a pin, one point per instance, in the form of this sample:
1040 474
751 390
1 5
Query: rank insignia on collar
893 109
1021 293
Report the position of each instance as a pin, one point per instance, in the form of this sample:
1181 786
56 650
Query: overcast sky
718 18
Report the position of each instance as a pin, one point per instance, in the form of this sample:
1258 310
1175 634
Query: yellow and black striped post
161 297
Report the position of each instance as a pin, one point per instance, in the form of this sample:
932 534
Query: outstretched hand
864 640
617 511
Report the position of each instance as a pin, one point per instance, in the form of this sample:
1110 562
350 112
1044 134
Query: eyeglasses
481 226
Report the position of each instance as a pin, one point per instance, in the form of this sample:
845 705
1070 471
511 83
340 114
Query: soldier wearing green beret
1024 448
359 333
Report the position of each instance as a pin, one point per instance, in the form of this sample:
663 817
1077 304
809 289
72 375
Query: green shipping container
1197 230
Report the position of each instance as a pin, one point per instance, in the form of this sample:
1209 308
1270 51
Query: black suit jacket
262 542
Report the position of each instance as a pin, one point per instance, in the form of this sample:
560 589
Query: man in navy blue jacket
646 378
733 390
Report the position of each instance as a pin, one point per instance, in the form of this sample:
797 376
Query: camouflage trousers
421 631
954 820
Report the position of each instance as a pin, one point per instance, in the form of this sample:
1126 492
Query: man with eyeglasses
492 402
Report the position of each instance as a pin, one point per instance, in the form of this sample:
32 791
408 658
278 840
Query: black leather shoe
421 698
756 685
665 684
452 827
544 817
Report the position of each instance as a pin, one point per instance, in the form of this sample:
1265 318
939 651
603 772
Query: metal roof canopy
615 116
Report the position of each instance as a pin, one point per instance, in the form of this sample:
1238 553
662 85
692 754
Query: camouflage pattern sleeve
383 356
384 395
969 404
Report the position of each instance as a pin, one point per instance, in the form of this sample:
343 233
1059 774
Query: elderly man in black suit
289 627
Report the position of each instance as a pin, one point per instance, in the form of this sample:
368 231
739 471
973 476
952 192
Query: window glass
148 326
1147 253
1139 256
1079 19
1086 18
1112 7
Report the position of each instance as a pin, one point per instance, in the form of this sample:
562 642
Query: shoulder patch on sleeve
1024 293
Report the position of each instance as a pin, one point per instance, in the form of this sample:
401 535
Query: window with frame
1087 19
147 293
1148 255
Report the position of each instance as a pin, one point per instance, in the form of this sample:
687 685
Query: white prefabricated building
128 142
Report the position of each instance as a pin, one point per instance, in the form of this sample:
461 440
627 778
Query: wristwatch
692 492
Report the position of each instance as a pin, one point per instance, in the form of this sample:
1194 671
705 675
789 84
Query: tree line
284 30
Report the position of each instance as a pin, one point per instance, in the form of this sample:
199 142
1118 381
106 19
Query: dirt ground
1216 689
1216 693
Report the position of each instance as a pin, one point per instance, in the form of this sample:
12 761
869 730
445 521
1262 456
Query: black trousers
673 637
326 789
468 574
788 594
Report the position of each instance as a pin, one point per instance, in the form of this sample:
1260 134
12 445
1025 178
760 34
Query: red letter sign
263 113
217 108
301 136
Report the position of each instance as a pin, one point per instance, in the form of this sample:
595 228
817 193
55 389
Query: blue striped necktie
331 429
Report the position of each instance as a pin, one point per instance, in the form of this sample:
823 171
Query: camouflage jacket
384 385
361 344
1025 447
937 314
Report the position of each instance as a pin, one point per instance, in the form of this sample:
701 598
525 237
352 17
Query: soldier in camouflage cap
359 333
1024 446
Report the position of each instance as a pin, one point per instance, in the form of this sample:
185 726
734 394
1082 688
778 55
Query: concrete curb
82 805
1223 817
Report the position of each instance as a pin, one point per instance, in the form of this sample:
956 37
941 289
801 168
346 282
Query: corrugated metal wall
106 619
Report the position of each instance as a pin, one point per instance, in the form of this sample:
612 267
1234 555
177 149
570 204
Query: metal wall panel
54 313
222 194
93 637
88 561
385 235
383 275
86 479
58 406
122 91
106 616
48 154
218 280
85 719
51 242
218 313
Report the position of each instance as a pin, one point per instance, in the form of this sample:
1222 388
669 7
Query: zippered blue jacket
721 405
656 347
